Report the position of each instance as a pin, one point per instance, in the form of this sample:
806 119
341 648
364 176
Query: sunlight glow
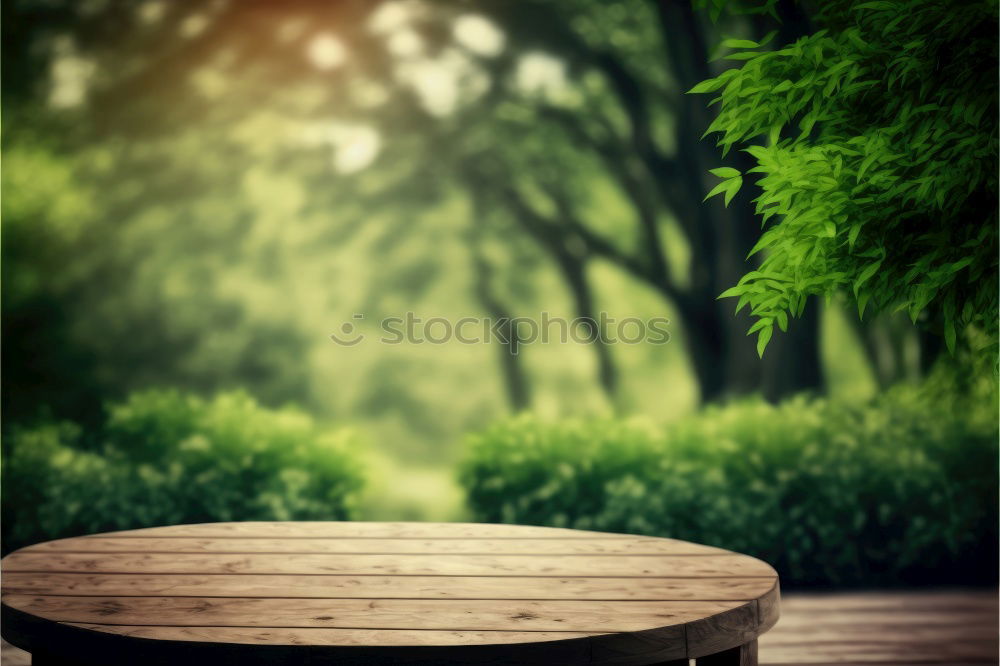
405 43
441 83
193 25
152 12
326 51
541 74
435 83
393 16
70 75
209 82
368 94
478 35
355 147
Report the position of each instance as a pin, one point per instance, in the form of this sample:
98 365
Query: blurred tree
616 122
103 293
515 377
566 118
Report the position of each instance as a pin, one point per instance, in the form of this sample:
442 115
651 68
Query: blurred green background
197 195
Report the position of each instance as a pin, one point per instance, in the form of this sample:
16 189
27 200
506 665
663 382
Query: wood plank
324 636
768 608
576 616
861 602
70 643
846 650
717 633
539 547
862 631
708 566
874 627
12 656
846 619
357 529
408 587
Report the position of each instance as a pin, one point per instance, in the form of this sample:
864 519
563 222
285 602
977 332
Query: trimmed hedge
899 491
164 457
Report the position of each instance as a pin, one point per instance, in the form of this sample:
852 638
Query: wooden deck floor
957 628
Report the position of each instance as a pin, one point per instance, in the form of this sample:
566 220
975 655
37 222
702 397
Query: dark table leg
744 655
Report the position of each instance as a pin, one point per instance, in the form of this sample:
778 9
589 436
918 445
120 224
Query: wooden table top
352 592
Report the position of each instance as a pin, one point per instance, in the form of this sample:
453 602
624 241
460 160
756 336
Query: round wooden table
366 593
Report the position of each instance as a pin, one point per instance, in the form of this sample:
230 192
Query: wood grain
355 530
387 587
938 627
396 592
436 614
333 637
721 631
627 566
355 546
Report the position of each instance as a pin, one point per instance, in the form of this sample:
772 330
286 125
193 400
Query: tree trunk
515 379
931 347
792 361
720 239
583 299
894 348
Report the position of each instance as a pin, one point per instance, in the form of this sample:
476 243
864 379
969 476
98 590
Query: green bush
899 491
163 457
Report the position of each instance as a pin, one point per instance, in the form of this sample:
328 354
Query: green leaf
732 291
725 172
721 187
759 324
762 339
707 86
769 36
960 264
865 163
865 275
739 44
852 235
949 335
800 306
862 303
734 185
782 320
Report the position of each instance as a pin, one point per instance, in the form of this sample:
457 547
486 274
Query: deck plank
945 627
